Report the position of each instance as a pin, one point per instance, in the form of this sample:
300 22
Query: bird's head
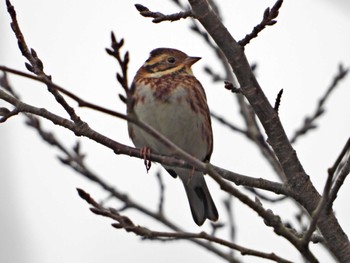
166 61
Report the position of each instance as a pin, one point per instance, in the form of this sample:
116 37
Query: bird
167 96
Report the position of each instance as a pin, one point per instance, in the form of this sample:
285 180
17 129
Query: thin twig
36 66
159 17
342 174
127 224
228 206
123 61
268 20
339 159
309 121
265 197
161 193
215 77
228 124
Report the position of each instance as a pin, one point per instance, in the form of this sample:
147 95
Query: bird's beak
191 60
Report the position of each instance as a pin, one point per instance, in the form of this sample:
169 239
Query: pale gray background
42 218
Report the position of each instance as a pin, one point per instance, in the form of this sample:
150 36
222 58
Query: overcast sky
42 218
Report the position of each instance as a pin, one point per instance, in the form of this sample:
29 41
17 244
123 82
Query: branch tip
229 86
159 17
268 20
278 101
83 194
141 8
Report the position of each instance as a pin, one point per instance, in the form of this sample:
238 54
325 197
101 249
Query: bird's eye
171 60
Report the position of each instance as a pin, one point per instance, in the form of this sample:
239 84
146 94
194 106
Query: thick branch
297 179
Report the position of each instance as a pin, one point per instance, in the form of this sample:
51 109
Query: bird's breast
176 111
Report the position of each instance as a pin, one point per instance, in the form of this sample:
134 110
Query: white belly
173 118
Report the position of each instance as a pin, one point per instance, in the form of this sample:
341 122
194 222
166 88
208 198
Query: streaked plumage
167 96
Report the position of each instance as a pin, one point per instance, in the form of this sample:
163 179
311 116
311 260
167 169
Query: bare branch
228 206
228 124
269 217
285 162
296 177
317 213
309 121
122 60
188 161
214 76
161 192
248 114
36 65
5 113
75 160
343 166
268 20
265 197
58 120
329 191
126 223
159 17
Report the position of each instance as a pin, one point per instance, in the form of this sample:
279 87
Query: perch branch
123 149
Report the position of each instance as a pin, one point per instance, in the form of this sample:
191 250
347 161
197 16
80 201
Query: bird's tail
201 204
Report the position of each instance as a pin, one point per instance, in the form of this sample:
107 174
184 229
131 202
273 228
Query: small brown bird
167 96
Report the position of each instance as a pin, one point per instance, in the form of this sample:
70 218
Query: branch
228 206
330 192
123 62
228 124
93 135
317 213
253 182
214 76
188 161
161 193
343 168
36 66
75 160
270 219
309 121
296 177
252 128
159 17
268 20
126 223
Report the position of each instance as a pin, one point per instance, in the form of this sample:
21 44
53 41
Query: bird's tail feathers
201 203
